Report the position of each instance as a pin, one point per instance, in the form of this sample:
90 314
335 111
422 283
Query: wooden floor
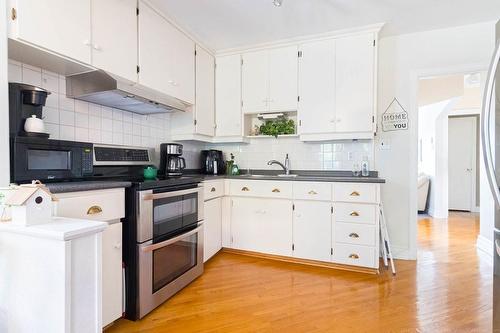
447 290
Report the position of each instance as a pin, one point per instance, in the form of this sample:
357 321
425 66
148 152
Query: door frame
473 207
415 76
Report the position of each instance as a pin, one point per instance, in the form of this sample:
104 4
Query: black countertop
88 185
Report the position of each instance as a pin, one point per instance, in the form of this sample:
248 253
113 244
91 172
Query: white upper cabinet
255 82
205 93
228 96
355 73
60 26
270 80
283 79
114 37
337 88
317 87
166 56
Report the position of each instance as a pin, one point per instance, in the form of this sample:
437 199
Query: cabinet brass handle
245 189
312 192
276 190
354 194
353 256
94 210
353 235
13 14
354 214
212 189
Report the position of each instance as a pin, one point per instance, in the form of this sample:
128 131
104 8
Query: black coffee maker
25 101
212 162
171 162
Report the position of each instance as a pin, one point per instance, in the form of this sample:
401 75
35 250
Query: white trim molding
485 245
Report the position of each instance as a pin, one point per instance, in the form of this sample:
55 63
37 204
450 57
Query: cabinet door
317 87
262 225
283 79
312 223
184 67
228 96
60 26
156 54
205 93
354 63
112 288
212 228
114 37
255 82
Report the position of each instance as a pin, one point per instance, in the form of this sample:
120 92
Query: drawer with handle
261 188
101 205
355 213
319 191
357 234
355 192
213 189
355 255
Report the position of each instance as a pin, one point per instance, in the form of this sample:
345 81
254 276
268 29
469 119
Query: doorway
448 117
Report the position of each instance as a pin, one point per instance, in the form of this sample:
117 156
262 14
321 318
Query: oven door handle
156 196
157 246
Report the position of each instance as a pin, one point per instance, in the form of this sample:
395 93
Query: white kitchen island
50 276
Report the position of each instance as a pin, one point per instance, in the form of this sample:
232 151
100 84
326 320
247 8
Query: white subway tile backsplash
95 135
67 118
117 138
81 134
107 137
67 132
15 72
32 75
52 101
117 115
117 126
127 128
127 117
106 124
106 112
94 110
94 122
81 106
51 115
50 81
81 120
136 129
128 139
65 103
53 130
136 140
62 85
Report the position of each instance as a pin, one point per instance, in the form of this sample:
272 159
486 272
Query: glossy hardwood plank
447 290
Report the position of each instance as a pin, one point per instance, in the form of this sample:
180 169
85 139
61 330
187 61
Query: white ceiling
222 24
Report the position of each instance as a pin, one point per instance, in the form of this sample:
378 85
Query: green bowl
150 173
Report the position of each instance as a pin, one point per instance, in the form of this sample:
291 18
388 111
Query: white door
312 224
205 93
228 96
283 74
114 37
317 87
461 163
354 73
156 54
255 82
212 228
60 26
112 288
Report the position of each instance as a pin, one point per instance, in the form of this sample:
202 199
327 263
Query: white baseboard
485 245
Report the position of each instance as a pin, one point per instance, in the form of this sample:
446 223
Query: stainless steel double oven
169 245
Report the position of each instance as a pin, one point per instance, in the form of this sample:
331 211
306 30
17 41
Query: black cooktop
161 182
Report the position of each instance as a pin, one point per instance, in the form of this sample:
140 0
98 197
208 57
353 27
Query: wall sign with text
395 117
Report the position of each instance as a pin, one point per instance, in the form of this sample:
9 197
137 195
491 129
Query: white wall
4 100
402 60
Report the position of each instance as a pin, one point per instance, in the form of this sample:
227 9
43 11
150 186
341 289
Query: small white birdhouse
31 204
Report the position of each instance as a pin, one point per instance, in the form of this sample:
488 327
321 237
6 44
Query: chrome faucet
285 167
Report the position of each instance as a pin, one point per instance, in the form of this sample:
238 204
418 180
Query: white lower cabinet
107 206
212 228
302 220
312 229
262 225
112 273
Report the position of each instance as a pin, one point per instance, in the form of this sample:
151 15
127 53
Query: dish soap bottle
365 167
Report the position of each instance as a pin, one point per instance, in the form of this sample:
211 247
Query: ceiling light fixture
277 3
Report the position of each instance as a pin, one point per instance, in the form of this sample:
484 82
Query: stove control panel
120 155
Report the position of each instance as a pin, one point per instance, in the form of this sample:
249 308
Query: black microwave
49 160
